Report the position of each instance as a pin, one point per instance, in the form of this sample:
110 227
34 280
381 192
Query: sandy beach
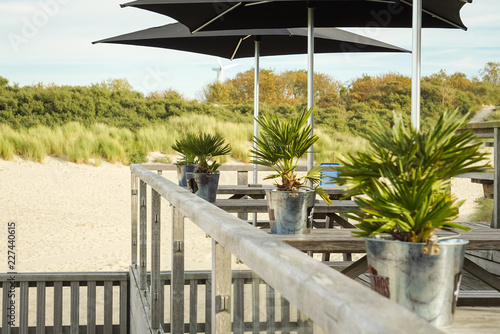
76 217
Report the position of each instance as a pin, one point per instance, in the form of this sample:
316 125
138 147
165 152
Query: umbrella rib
256 3
236 49
215 18
436 16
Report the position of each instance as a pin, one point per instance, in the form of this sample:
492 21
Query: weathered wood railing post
143 237
495 222
177 281
221 289
134 208
242 180
155 259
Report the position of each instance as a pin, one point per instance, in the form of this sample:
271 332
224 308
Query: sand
76 217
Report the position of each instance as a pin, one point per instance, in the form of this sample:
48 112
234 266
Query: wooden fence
329 301
60 297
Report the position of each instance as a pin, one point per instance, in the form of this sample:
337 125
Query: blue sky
49 41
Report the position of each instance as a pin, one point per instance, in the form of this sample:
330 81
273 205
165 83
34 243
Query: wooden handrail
333 301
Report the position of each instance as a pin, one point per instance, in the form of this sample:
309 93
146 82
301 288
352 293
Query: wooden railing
332 302
60 297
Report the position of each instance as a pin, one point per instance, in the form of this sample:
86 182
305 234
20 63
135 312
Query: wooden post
108 306
495 221
177 282
40 307
270 309
24 307
75 308
155 258
134 206
243 180
221 289
193 306
239 306
256 304
143 282
5 304
91 307
58 306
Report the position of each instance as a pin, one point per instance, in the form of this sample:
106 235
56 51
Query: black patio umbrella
237 14
233 44
246 14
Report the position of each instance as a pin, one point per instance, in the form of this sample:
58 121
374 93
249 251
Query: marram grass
100 142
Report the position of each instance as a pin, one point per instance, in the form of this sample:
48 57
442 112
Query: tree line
340 107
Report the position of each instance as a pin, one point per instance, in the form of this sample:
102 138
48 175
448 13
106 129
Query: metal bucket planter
423 283
181 173
290 212
204 184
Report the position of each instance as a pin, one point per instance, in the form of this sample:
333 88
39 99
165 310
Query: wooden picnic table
341 241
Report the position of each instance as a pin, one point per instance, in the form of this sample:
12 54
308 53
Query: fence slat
304 323
193 306
143 236
155 258
239 306
134 216
124 307
285 316
208 306
162 304
58 306
221 290
75 308
91 307
270 310
256 305
5 307
177 282
24 304
40 307
108 307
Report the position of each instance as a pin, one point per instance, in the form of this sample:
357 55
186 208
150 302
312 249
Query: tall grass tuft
7 148
483 210
81 148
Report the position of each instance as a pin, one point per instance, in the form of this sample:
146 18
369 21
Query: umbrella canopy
245 14
234 44
237 14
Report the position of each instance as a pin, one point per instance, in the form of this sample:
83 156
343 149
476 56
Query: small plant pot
425 284
181 173
290 212
204 185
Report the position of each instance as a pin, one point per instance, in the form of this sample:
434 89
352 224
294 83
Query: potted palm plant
204 180
402 187
281 143
187 162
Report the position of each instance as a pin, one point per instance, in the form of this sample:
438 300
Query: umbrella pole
416 60
256 112
310 78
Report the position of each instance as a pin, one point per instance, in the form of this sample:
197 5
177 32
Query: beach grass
483 210
97 142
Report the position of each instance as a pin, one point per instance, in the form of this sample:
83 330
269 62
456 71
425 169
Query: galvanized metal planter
203 184
290 212
181 173
423 283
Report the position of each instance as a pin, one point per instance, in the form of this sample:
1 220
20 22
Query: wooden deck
286 291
